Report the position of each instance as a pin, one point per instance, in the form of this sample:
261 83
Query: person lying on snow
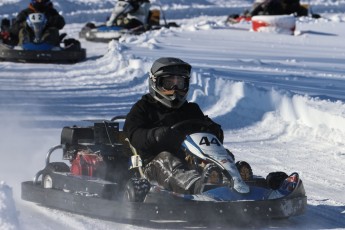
278 7
55 22
274 7
148 123
130 14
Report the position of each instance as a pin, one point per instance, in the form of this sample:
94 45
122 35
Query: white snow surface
279 98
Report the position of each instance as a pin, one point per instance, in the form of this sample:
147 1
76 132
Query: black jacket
54 19
147 115
279 7
268 7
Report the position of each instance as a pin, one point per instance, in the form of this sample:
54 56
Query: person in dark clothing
130 14
278 7
267 7
55 22
148 123
294 7
272 7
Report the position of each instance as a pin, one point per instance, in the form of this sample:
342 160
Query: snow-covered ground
279 98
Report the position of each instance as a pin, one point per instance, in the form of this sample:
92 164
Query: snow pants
50 35
171 172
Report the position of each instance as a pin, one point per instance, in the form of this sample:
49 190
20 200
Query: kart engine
95 151
88 164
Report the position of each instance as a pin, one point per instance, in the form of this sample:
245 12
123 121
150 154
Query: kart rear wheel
47 180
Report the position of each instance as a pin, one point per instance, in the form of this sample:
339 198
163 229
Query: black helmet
164 68
40 5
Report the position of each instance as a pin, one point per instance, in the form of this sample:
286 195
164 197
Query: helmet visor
173 82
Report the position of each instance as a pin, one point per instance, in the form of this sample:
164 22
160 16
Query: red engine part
244 18
5 35
282 24
87 164
257 24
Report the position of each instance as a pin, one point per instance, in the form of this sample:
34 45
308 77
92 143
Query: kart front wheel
245 170
136 190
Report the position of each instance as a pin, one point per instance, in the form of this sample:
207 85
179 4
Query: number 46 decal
206 141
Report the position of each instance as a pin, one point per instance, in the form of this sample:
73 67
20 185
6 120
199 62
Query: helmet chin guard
169 66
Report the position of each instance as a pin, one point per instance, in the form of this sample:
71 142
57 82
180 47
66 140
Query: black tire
136 190
47 181
245 170
275 179
173 24
90 25
72 44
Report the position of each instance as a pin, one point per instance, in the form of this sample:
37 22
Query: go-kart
100 182
37 49
104 33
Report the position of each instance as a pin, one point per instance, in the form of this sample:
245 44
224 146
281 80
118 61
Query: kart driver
55 22
130 14
278 7
148 125
273 7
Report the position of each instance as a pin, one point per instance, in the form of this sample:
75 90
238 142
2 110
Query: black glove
167 136
56 21
217 130
52 21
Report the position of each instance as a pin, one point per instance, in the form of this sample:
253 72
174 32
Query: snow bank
8 212
238 105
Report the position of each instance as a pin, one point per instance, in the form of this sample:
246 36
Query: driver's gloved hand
53 21
167 136
56 21
217 130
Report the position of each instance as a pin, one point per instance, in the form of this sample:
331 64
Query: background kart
38 50
103 33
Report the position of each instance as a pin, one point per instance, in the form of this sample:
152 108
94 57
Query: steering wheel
192 126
